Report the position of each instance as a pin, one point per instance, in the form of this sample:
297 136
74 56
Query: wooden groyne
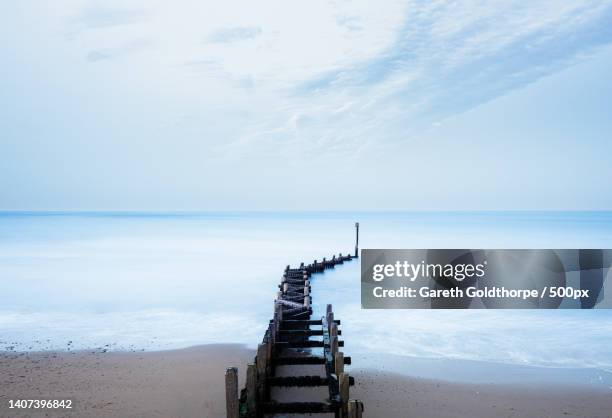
287 343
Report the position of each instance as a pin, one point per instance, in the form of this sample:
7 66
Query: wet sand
392 395
189 383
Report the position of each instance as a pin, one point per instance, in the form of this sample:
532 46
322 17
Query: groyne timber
287 344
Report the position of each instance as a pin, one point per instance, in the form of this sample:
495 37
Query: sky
311 105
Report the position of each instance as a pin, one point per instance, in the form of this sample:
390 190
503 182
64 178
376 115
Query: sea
142 281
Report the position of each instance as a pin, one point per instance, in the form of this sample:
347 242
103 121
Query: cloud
234 34
104 54
100 17
97 17
208 64
450 57
351 23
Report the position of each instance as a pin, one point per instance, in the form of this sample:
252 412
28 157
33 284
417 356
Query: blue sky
193 105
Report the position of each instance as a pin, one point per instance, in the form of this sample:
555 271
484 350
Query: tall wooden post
333 329
333 345
329 315
339 363
343 381
231 392
251 386
355 408
356 239
262 370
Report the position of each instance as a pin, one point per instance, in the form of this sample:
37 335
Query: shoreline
465 371
462 371
190 383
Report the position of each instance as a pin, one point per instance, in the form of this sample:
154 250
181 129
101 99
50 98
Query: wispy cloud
305 81
104 17
98 17
234 34
449 56
349 22
103 54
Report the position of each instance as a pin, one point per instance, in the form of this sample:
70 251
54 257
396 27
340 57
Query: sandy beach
189 383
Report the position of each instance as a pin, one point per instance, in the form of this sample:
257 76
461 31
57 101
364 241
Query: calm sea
165 280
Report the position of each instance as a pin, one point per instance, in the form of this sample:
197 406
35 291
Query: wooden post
355 408
356 239
329 315
339 363
251 387
343 382
275 322
269 348
262 371
278 314
231 392
333 342
307 293
278 317
260 361
333 329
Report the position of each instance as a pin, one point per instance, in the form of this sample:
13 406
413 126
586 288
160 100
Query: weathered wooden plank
333 345
231 392
290 313
302 381
333 330
262 366
307 322
339 363
298 381
333 388
355 409
310 344
344 383
298 407
251 389
307 332
286 361
294 281
301 332
303 314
